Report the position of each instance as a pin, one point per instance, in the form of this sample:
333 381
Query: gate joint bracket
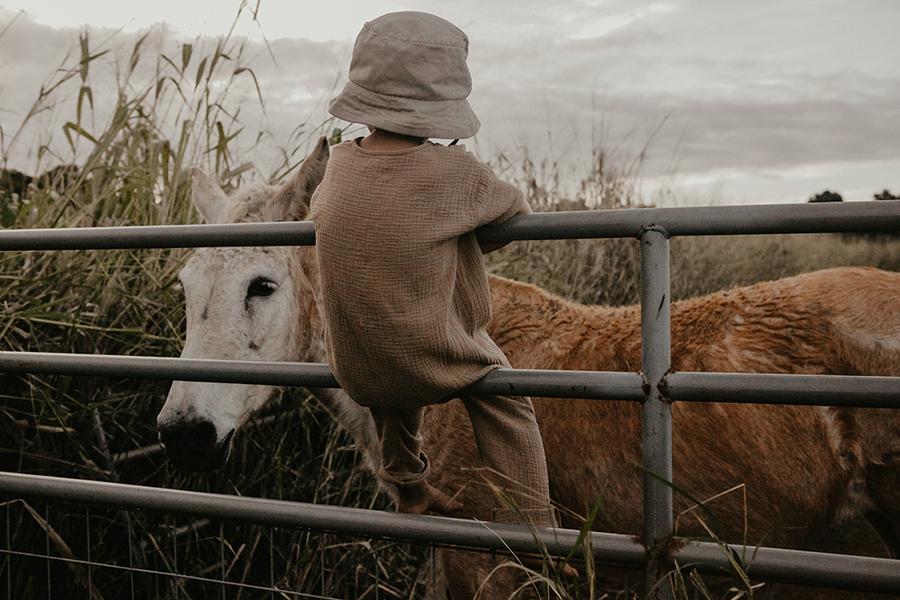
663 388
657 228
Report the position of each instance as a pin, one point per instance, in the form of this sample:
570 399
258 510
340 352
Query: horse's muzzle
194 445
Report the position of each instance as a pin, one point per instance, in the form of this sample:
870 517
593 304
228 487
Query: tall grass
608 271
131 172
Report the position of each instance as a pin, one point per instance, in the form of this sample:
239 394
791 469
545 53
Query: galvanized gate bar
755 388
164 368
657 412
705 220
701 220
812 568
607 385
287 233
619 549
819 390
589 385
796 566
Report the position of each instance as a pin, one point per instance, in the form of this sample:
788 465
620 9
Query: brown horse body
804 469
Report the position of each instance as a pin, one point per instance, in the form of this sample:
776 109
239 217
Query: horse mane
287 202
254 203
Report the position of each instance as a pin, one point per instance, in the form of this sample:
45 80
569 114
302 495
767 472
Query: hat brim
444 119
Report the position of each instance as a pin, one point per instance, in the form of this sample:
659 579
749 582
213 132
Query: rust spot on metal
645 387
663 388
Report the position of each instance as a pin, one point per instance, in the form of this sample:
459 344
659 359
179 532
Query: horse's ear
208 197
294 196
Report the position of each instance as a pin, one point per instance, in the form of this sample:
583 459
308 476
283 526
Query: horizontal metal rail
777 388
705 220
757 388
552 384
813 568
288 233
819 569
620 549
701 220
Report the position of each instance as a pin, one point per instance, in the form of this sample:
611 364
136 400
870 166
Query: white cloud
323 21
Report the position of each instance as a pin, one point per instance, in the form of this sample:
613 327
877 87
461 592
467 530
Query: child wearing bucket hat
405 294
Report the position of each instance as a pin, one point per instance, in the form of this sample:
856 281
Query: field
129 302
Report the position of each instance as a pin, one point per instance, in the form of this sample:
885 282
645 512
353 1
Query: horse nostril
206 435
193 436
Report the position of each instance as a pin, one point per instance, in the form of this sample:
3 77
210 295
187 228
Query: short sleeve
497 200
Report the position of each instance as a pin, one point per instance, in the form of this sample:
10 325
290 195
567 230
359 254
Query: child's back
404 275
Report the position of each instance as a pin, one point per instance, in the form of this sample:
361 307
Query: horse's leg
474 575
883 482
456 468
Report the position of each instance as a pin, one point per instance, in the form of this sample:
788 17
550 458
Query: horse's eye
261 287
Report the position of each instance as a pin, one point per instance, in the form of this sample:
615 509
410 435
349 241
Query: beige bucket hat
408 75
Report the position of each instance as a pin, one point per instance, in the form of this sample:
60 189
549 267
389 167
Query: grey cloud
715 133
294 86
715 74
750 86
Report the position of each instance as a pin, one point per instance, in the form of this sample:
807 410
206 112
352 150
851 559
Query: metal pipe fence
815 568
691 221
656 360
655 388
748 388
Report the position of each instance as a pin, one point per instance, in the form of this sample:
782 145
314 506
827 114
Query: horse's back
792 459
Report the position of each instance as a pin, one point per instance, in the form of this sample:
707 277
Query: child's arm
499 202
488 247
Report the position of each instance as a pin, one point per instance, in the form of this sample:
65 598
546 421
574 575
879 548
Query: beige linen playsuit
406 300
405 295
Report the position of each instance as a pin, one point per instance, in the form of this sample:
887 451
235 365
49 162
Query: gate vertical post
656 436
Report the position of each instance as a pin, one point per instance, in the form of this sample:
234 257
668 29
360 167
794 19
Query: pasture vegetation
131 172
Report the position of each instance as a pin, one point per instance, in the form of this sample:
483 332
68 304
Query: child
404 290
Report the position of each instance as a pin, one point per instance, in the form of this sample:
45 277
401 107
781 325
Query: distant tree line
886 195
829 196
15 186
16 183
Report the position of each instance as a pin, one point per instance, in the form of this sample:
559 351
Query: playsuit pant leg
512 451
401 444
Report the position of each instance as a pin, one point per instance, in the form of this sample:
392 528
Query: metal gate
655 387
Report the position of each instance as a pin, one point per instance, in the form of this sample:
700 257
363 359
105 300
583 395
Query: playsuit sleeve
497 200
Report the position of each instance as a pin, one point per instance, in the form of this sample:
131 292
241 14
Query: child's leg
404 464
402 459
510 445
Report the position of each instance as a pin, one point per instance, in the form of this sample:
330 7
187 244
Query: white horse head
241 304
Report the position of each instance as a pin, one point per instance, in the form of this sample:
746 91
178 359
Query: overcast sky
766 101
